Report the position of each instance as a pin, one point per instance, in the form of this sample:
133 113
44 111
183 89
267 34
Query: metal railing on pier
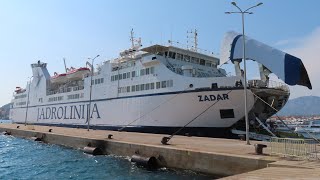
294 148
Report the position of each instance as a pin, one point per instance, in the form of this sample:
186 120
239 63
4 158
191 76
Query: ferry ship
159 89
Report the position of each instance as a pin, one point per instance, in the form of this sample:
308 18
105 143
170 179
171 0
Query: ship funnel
40 73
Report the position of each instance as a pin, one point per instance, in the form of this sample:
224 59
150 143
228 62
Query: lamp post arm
233 12
252 7
238 7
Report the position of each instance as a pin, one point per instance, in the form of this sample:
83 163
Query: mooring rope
283 121
165 140
125 126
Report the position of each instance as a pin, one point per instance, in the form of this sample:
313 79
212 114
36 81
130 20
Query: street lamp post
89 114
25 119
244 63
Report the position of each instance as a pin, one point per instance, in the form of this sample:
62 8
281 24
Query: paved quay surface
274 173
200 144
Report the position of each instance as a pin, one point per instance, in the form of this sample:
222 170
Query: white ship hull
150 110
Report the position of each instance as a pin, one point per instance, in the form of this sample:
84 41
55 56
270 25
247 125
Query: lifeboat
18 90
59 78
77 74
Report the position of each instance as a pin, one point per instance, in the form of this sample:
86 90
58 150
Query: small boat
309 129
76 74
59 78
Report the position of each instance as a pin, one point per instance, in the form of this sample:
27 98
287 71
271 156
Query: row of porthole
147 86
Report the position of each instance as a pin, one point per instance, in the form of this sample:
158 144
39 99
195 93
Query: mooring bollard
7 133
147 162
165 140
259 148
50 130
36 139
110 136
92 150
242 137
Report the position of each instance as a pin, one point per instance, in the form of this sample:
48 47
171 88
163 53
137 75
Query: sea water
27 159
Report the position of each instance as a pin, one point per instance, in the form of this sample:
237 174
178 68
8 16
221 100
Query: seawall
222 157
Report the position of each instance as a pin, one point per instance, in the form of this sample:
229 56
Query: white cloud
308 50
289 42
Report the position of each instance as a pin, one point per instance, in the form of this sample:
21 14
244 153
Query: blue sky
77 29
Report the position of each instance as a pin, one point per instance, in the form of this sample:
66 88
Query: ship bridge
186 55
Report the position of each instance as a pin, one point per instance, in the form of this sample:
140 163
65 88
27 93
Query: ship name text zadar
213 97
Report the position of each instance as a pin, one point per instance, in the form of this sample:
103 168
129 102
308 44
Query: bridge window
202 62
172 55
194 60
179 56
133 88
186 58
158 85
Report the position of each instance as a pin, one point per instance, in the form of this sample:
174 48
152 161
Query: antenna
65 66
194 40
171 36
132 38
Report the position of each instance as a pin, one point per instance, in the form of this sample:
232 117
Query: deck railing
294 148
269 84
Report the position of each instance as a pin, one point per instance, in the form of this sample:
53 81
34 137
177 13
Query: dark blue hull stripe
233 45
137 96
295 72
192 131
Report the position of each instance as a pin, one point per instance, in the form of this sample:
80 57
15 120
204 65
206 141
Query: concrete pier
220 157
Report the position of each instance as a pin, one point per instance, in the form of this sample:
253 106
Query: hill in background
302 106
4 111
